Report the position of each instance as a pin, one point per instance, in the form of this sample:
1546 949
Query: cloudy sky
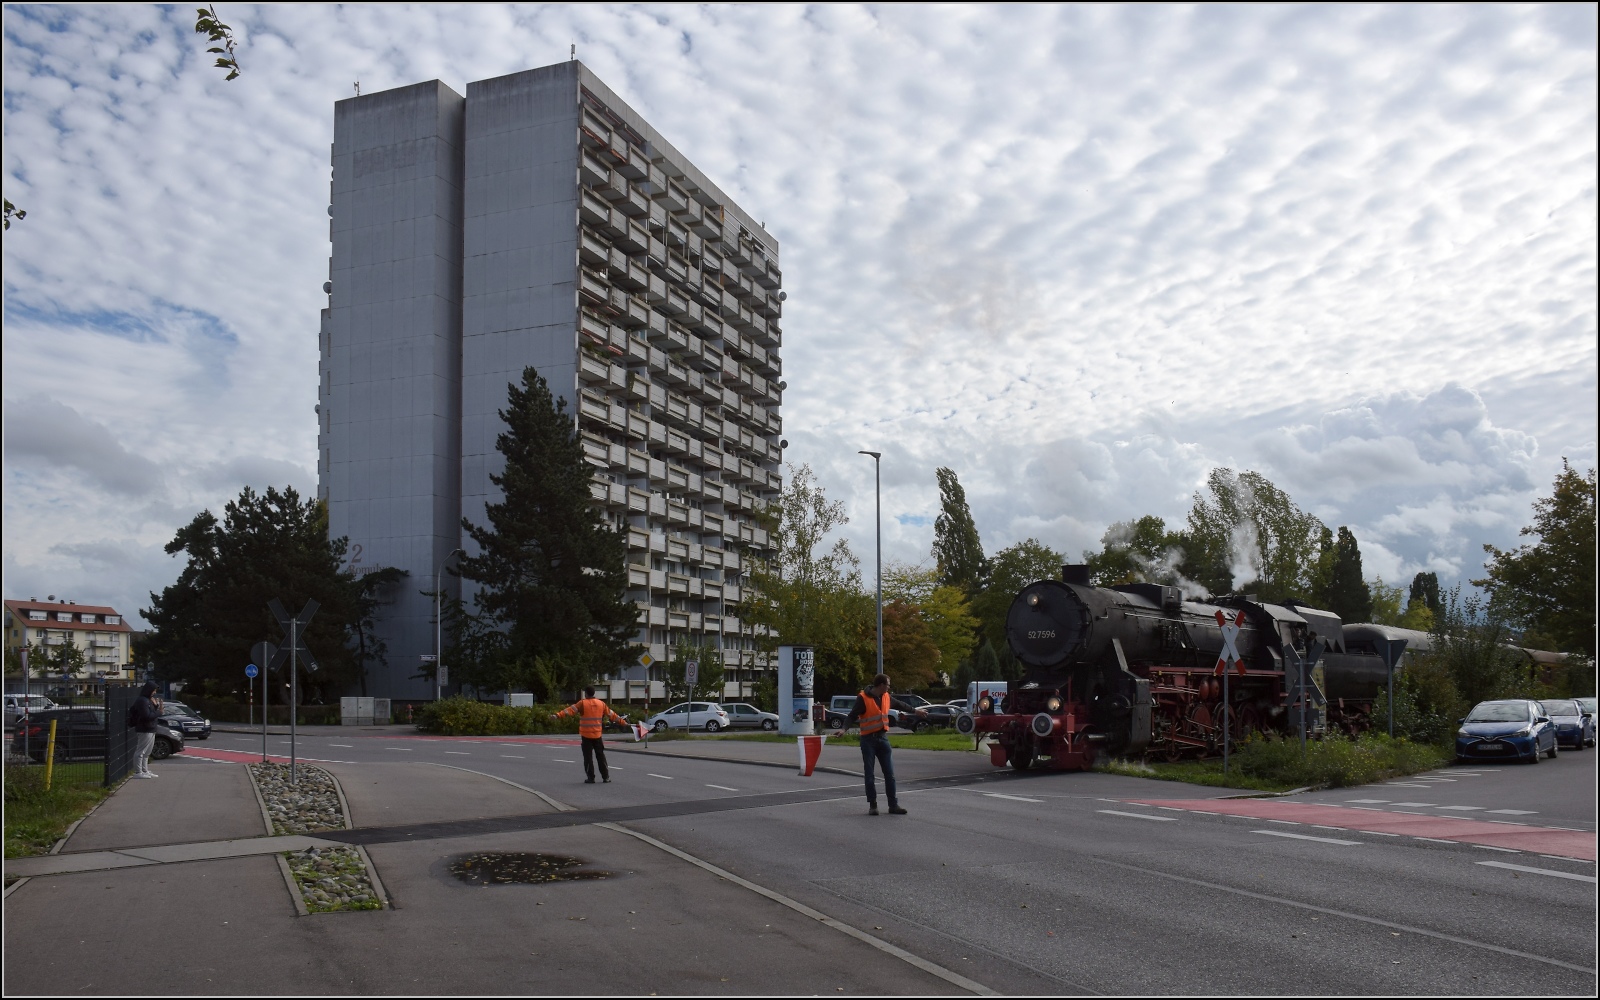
1081 255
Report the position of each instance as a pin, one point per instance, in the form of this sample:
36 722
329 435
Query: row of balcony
657 343
683 427
678 513
645 543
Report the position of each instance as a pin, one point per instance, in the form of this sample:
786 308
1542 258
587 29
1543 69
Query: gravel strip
310 805
331 879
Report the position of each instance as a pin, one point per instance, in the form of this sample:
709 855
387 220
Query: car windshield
1500 712
177 708
1560 706
1587 704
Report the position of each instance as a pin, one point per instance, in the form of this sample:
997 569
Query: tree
1012 569
1424 592
709 672
1472 644
1140 551
809 592
909 656
1343 591
945 611
1387 610
1547 589
1248 535
956 548
207 23
264 546
552 573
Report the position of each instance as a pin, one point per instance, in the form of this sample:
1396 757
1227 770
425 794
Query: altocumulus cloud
1080 254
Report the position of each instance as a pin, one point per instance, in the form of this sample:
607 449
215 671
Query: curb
1273 795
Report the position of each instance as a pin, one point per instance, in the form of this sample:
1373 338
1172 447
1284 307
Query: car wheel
659 727
713 726
1536 752
1551 753
767 725
835 723
162 750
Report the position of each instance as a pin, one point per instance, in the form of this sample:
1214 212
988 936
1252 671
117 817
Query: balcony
592 369
638 539
638 501
593 288
593 209
592 249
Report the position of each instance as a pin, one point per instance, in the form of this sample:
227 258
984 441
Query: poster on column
796 689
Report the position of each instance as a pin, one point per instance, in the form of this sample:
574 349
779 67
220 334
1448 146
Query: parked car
700 714
959 704
18 705
186 720
1588 705
742 716
1574 726
80 735
841 705
942 715
1506 729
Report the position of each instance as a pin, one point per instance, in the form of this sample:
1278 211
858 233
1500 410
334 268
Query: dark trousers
875 748
594 746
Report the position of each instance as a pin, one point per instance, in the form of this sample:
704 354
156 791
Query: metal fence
119 735
91 742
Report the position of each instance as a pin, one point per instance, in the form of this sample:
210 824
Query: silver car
699 714
744 716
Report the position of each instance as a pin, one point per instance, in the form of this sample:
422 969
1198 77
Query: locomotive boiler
1133 670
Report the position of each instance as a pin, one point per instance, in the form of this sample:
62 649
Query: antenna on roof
358 88
574 53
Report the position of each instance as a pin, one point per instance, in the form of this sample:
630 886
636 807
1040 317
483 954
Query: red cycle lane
1532 839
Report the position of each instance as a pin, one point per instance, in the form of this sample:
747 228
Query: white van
18 705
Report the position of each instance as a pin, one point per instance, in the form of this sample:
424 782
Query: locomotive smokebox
1046 624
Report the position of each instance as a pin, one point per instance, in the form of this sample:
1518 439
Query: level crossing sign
1230 647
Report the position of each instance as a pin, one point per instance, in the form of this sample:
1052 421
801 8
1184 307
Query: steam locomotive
1135 669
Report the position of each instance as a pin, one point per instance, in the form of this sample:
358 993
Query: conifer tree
552 573
1348 596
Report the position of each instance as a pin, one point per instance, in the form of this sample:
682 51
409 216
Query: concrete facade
541 221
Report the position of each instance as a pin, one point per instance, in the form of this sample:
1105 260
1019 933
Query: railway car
1133 670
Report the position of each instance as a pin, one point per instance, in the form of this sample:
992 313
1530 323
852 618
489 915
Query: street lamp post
438 624
877 478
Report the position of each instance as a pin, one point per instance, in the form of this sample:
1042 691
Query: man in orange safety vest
872 709
592 713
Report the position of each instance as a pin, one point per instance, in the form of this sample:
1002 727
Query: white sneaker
143 774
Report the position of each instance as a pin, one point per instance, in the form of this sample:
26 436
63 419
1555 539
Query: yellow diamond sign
645 660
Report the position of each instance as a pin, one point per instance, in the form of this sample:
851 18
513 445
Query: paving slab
381 794
91 861
193 800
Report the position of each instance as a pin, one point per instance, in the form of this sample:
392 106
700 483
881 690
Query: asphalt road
1057 883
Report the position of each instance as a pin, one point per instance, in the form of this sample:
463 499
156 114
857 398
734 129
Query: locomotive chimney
1077 573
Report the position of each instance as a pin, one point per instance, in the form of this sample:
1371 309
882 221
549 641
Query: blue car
1574 726
1514 728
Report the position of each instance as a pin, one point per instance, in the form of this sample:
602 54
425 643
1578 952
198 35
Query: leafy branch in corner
12 210
207 23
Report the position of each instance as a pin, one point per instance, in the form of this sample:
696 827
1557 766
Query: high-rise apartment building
541 221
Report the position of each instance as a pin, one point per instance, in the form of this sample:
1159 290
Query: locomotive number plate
1043 633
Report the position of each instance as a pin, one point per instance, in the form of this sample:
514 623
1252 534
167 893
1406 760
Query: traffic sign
1230 648
251 670
646 660
262 654
691 675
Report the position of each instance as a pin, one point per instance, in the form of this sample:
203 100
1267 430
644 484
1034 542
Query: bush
466 717
1335 761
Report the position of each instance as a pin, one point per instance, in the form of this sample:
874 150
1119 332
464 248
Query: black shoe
872 810
588 781
896 811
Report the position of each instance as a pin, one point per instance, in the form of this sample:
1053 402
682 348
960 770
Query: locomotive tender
1133 669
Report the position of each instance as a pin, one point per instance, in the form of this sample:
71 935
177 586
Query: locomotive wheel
1246 720
1022 760
1172 752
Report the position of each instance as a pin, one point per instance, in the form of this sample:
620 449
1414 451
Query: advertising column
796 672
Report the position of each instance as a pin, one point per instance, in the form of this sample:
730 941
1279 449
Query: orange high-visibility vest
876 717
591 713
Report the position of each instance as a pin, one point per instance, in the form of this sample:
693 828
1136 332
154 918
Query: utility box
357 711
519 699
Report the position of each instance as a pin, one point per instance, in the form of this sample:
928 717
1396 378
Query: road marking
1503 850
953 978
1158 819
1377 833
1302 836
402 749
1369 802
1285 822
1515 812
1404 784
666 776
1539 871
1429 777
1434 840
1509 822
723 787
1370 809
1013 798
459 753
562 760
1319 826
1172 809
1465 809
1375 921
347 746
512 756
1414 805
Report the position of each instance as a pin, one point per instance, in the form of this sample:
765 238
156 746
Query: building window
86 619
63 616
37 616
113 619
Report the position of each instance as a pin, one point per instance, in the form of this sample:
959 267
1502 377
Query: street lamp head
874 454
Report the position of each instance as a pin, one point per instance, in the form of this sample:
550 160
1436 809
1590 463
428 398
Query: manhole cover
510 868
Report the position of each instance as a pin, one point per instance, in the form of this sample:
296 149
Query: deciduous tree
1012 569
1245 534
957 550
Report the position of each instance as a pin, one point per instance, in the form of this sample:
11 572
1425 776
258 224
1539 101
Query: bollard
50 756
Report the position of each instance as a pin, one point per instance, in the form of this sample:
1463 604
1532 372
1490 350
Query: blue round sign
251 671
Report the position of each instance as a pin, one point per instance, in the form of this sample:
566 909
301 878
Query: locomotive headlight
1033 600
985 704
1053 705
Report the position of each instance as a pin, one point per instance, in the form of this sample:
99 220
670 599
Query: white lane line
668 777
1502 850
723 787
1404 784
1539 871
1285 822
459 753
1302 836
1414 805
1508 822
1370 809
402 749
1515 812
1013 798
1433 840
1377 833
1172 809
562 760
1429 777
1369 802
1464 809
512 756
1319 826
1158 819
347 746
616 768
1557 857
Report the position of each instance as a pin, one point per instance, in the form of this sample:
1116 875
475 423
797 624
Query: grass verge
35 818
1272 764
944 739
